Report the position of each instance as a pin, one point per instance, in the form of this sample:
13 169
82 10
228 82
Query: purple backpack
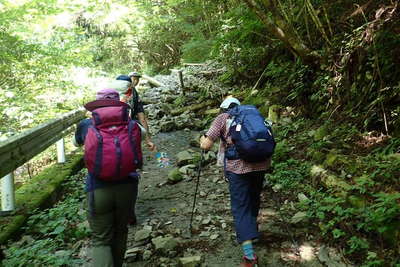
112 144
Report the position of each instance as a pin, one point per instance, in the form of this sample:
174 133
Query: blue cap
124 78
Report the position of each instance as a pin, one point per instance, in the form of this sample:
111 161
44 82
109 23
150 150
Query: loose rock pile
160 102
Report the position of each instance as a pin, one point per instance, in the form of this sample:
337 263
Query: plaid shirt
217 130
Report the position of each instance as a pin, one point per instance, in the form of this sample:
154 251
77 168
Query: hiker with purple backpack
246 146
113 153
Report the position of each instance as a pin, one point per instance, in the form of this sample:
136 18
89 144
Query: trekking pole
195 191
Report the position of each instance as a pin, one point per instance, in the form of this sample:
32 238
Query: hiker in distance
131 97
112 143
125 85
245 165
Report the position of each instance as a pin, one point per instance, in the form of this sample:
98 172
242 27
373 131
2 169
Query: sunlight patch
307 252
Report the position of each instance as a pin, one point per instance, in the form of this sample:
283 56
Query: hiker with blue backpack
246 146
112 143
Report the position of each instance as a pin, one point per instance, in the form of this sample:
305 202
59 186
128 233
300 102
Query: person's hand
152 147
206 143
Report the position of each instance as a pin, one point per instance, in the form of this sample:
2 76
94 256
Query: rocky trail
162 236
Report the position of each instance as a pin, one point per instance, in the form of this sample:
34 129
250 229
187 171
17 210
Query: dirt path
166 210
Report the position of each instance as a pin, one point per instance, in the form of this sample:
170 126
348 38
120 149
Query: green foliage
241 44
391 148
290 174
53 231
365 220
196 50
40 252
36 59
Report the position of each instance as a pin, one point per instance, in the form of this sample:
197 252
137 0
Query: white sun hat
228 101
120 86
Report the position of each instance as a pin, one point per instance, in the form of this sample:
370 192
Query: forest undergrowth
351 186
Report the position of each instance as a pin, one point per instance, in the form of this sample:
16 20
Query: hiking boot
249 263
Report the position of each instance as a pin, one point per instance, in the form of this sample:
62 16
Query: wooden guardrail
19 149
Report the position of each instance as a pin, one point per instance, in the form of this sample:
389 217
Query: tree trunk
282 30
153 81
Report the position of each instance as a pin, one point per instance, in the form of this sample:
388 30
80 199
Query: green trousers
112 206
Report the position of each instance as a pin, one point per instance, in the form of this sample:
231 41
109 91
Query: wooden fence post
7 193
60 151
180 75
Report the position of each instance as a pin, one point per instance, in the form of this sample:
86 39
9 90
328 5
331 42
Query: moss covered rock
175 176
318 173
184 158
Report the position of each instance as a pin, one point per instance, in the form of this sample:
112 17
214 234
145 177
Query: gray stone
184 157
147 255
302 197
133 253
214 236
164 244
205 234
212 196
193 261
142 235
206 221
169 98
167 126
187 169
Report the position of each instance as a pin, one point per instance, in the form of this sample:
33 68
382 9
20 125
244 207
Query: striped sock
248 250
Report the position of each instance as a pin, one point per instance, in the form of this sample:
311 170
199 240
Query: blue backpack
251 135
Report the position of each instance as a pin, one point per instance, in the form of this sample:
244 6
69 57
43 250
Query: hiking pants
112 207
245 190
